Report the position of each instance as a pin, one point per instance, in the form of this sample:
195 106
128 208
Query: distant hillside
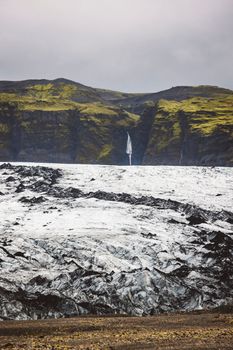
178 93
64 121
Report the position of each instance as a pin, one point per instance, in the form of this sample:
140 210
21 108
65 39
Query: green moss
40 88
26 125
4 128
35 103
46 106
148 104
205 115
105 151
67 91
133 117
47 91
165 131
91 109
8 97
176 129
191 118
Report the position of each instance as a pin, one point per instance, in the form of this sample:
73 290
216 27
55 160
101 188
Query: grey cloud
129 45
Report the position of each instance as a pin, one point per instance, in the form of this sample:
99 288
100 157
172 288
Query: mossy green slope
64 121
44 122
197 130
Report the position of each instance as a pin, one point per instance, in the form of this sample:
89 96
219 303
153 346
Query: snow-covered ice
135 240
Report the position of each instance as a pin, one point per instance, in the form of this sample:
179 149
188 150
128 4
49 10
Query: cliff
63 121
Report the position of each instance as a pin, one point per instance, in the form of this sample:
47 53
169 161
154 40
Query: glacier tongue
104 239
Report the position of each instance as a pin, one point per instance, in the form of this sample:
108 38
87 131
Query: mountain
64 121
86 239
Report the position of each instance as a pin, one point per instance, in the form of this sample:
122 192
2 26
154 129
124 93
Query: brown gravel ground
166 332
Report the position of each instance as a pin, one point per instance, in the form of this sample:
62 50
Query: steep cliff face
63 121
197 131
64 136
44 122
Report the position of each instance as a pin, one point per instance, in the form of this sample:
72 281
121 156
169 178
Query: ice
98 255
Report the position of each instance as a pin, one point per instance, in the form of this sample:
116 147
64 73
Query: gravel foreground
170 331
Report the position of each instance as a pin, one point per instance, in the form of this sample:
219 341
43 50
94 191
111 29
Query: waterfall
129 149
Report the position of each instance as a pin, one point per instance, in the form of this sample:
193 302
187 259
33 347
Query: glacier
91 239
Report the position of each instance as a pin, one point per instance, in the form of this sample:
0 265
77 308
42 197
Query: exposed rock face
63 121
182 137
73 242
64 136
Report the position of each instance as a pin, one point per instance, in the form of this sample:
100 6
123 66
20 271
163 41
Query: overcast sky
128 45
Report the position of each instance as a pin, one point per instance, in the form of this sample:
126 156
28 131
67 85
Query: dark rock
196 219
6 166
33 200
39 280
181 272
230 220
10 179
40 186
7 253
149 235
173 221
8 345
20 188
74 192
20 254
